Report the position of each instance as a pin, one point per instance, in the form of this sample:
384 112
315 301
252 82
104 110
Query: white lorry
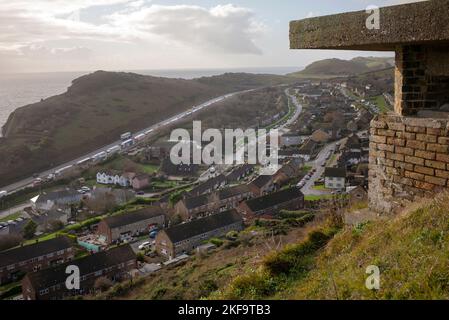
3 193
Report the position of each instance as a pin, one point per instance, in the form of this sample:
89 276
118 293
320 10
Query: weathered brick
415 129
396 126
402 180
437 147
395 156
416 144
385 147
387 133
378 139
377 154
436 164
425 170
406 135
442 174
378 124
404 166
414 175
443 140
424 185
385 162
426 138
435 180
407 151
434 131
414 160
442 157
425 154
396 142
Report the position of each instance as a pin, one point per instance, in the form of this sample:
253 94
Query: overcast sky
86 35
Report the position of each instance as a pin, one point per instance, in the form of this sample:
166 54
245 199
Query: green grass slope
411 251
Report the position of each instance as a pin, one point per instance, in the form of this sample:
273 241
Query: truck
100 156
127 143
83 162
62 170
113 149
3 193
139 137
125 136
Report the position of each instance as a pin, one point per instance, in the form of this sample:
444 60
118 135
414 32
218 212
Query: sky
88 35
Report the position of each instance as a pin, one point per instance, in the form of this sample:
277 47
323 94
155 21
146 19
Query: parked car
145 245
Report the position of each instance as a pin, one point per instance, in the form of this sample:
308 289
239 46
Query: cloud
224 28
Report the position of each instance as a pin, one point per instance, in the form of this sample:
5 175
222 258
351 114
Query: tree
55 225
30 229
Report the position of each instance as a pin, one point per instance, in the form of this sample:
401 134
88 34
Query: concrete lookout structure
409 150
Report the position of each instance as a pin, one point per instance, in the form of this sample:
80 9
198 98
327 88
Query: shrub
217 242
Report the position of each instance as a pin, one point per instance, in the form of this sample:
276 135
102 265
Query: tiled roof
133 217
49 277
335 172
34 250
274 199
197 227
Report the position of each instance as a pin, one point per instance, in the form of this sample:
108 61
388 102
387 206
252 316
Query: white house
335 178
110 177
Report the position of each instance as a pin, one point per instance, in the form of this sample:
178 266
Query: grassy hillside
97 108
411 251
329 68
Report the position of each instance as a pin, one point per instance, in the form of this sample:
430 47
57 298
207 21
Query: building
270 205
113 177
209 186
287 172
335 178
320 136
123 226
262 185
50 284
196 206
47 201
357 194
181 170
240 173
230 198
141 181
185 237
290 139
16 262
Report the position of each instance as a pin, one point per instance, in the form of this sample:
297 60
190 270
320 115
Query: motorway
26 182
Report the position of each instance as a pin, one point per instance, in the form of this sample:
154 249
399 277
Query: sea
17 90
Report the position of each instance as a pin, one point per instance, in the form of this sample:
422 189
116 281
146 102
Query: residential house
270 205
240 173
112 177
14 263
262 185
50 284
287 172
209 186
335 178
290 139
181 170
185 237
196 206
230 198
307 150
141 181
47 201
124 226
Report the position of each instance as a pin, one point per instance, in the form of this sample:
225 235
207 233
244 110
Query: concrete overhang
417 23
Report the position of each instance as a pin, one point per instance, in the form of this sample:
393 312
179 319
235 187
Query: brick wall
422 81
408 159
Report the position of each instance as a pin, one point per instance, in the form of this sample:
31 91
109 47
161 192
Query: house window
44 291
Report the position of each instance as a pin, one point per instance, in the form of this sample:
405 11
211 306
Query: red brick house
270 205
15 263
140 181
50 284
262 185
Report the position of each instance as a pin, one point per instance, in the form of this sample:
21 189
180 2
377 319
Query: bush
255 285
217 242
9 241
285 214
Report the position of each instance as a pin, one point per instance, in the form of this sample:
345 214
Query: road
26 182
317 164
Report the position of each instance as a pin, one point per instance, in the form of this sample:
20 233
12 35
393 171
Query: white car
145 245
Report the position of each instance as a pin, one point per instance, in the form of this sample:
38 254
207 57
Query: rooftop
132 217
196 227
335 172
274 199
49 277
34 250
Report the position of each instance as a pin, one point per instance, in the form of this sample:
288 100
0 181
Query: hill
97 108
410 250
329 68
